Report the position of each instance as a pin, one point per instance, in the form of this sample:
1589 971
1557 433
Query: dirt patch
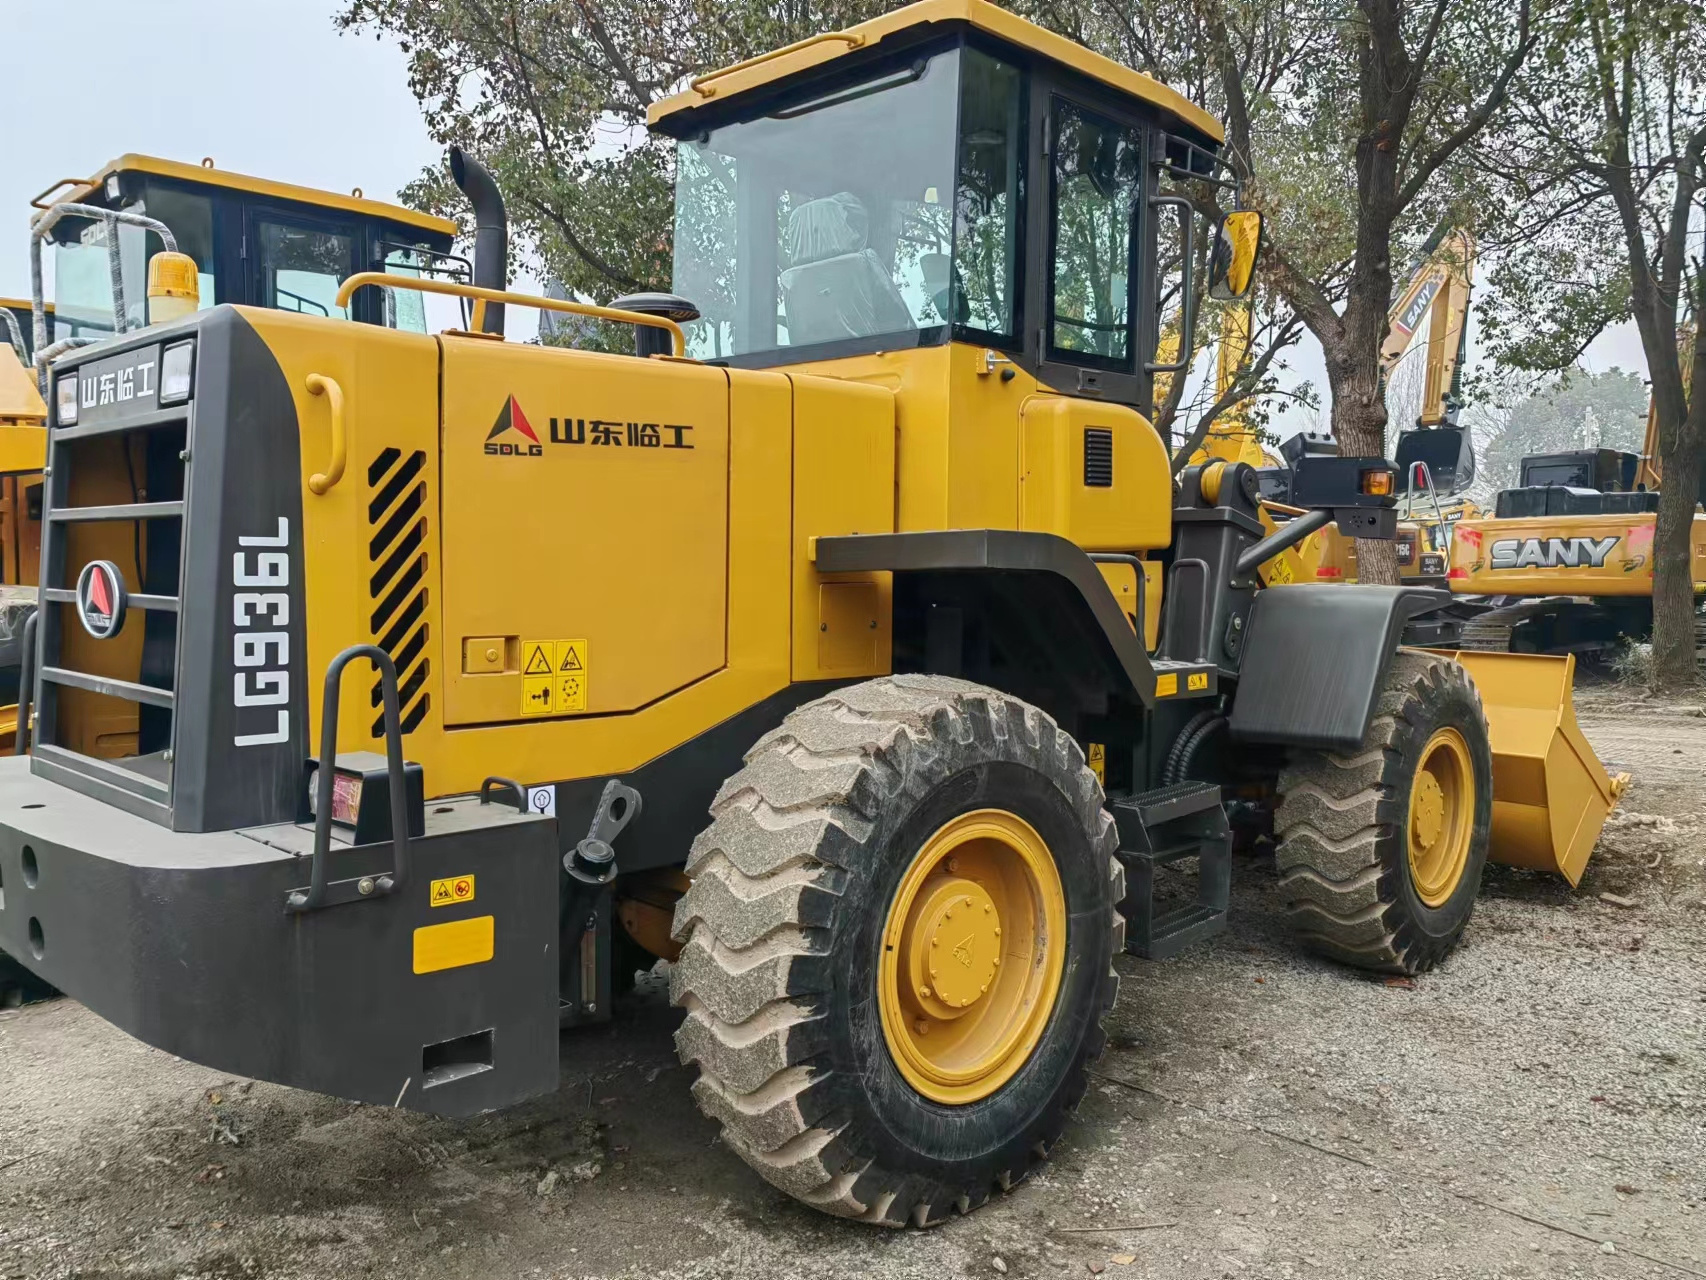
1259 1113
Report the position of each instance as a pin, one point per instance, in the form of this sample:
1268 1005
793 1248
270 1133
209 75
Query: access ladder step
1168 825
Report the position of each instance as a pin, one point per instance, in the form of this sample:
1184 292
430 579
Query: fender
1314 660
1043 592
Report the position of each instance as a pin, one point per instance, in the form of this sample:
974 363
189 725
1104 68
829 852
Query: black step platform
1164 826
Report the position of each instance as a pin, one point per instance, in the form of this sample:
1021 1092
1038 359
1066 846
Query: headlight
176 368
66 398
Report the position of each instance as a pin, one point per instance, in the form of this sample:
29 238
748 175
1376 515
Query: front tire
1380 852
898 829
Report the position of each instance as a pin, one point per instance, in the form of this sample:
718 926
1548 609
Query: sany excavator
1435 458
1567 556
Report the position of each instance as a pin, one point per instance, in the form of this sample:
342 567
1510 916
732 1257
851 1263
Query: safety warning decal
553 677
448 893
1098 758
1197 680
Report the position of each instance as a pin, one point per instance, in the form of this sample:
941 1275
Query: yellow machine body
726 508
1591 555
1551 795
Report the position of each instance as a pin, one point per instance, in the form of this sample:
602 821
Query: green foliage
1603 135
552 96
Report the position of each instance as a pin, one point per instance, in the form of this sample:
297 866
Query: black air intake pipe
491 230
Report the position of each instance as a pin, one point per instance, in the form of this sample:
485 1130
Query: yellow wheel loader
806 648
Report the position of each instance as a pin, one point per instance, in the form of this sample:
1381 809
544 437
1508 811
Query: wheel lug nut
924 993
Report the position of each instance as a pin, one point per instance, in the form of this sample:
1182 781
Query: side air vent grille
396 512
1098 457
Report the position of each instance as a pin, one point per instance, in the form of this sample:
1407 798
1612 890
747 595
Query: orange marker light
1377 484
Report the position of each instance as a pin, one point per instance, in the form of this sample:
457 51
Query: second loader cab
253 241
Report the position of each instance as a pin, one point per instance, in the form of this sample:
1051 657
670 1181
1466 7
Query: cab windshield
887 208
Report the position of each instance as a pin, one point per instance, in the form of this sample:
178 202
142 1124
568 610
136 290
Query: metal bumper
183 941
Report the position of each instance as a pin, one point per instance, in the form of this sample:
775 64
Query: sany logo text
1552 553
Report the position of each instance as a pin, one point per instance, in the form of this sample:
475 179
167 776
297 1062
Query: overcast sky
265 87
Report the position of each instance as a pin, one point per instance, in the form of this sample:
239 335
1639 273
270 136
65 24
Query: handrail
698 85
26 688
319 892
39 229
41 199
321 481
454 289
1421 469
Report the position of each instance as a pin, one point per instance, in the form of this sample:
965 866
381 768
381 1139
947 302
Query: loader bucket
1551 795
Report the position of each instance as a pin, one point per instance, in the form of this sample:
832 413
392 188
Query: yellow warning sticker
536 657
1166 686
538 695
448 893
1099 762
1197 680
553 676
571 675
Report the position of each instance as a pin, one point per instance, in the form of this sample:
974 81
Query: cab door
297 263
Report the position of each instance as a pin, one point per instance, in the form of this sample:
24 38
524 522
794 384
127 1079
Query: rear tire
1381 867
787 930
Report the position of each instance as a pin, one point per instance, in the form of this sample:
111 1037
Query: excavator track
1491 632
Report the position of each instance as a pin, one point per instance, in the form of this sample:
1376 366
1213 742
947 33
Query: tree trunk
1359 425
1674 641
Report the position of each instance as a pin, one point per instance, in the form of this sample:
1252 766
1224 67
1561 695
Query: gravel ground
1535 1108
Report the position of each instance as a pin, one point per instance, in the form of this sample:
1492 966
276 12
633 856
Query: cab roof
755 74
90 190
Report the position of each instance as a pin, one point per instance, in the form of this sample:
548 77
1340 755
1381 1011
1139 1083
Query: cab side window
302 267
1096 183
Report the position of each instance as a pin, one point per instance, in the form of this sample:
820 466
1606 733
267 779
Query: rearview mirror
1237 245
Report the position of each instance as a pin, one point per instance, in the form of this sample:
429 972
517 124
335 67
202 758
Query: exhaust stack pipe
491 230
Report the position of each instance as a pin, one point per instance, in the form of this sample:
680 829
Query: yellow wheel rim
973 951
1441 817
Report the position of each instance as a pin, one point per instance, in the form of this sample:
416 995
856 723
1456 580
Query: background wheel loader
443 647
249 241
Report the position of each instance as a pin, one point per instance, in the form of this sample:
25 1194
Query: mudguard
1314 658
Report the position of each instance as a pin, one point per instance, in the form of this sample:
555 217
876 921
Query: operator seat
835 287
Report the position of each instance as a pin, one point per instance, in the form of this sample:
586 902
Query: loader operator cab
254 242
943 187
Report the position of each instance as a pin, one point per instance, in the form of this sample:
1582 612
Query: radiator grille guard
194 714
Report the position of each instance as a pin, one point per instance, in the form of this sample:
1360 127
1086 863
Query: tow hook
593 860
